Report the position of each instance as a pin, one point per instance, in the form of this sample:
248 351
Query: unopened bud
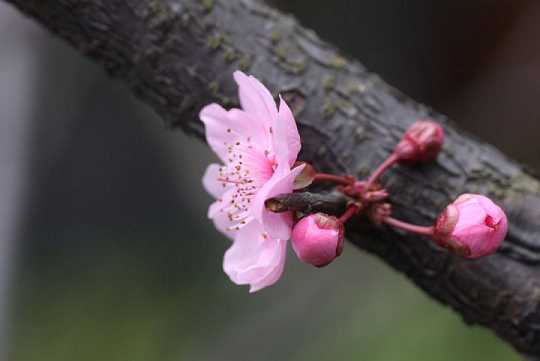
472 226
318 239
421 143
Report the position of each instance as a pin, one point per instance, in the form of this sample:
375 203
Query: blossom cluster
258 146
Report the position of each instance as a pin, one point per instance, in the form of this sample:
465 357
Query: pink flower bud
472 226
318 239
421 143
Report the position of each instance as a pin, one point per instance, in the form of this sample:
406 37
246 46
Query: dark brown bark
177 55
307 202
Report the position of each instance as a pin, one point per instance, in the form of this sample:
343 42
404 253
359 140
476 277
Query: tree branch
332 202
178 55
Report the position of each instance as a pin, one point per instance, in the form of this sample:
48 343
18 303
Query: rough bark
177 55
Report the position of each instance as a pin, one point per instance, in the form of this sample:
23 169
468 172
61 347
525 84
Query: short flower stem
413 228
390 161
325 177
351 211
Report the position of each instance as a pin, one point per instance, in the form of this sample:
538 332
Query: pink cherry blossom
318 239
472 226
258 146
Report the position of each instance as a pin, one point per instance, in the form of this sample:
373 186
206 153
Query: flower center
245 171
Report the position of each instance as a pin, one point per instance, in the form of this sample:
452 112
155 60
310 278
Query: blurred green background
115 260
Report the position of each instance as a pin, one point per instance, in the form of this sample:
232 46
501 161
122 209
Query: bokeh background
105 251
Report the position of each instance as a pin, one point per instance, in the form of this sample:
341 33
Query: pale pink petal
276 273
211 183
285 136
219 215
224 128
223 224
218 129
254 258
256 99
278 225
246 125
221 204
234 128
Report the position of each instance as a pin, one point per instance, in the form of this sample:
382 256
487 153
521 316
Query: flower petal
490 208
249 128
254 258
256 99
471 213
211 183
221 204
477 238
218 214
234 128
223 224
277 271
286 139
278 225
218 129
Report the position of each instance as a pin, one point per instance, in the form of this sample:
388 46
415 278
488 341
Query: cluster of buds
472 226
258 146
260 205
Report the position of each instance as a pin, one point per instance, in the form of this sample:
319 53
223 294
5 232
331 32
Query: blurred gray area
114 258
17 70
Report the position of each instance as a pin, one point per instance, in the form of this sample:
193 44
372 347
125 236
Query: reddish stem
390 161
349 212
325 177
413 228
